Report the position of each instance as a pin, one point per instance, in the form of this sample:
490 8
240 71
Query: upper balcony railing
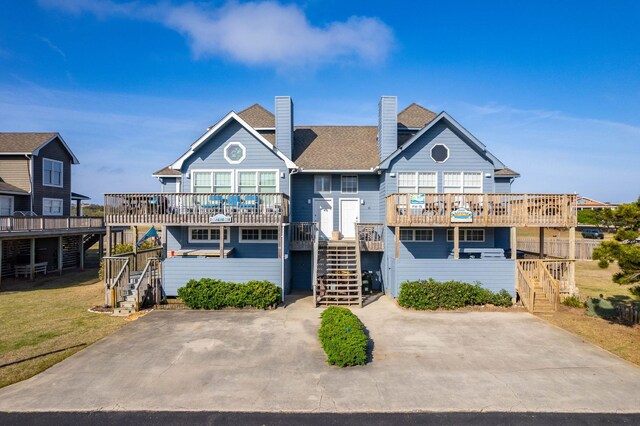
196 209
48 223
472 210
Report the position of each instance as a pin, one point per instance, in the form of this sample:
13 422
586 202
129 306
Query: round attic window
440 153
235 152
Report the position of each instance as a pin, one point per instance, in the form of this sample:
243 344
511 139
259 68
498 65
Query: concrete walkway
272 361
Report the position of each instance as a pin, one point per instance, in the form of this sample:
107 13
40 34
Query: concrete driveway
272 361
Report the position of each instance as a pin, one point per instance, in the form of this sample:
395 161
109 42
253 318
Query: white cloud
53 47
255 33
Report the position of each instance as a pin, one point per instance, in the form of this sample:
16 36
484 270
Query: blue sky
552 89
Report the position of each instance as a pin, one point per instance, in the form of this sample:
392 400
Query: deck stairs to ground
89 240
542 303
338 277
128 305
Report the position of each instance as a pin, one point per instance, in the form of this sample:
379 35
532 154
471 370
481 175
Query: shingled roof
167 172
8 188
20 143
415 116
336 147
506 172
258 117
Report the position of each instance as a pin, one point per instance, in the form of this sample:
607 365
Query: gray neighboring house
37 232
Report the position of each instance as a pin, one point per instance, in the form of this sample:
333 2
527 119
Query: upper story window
462 182
439 153
322 183
51 172
52 206
417 182
218 182
247 181
263 182
349 184
235 152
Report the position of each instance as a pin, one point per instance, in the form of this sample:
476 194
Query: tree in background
625 248
590 217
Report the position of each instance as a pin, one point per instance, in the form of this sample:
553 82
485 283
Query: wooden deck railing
549 210
195 209
370 236
48 223
303 235
139 259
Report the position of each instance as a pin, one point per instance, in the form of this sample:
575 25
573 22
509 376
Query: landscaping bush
209 293
342 337
431 294
573 302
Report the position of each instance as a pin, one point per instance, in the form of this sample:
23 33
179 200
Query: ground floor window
416 234
259 235
467 235
201 235
52 206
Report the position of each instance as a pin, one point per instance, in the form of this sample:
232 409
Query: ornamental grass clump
431 294
342 337
209 293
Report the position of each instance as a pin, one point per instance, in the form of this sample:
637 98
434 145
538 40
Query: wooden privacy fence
559 247
629 314
138 260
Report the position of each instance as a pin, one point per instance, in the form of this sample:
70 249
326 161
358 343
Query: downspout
30 170
293 172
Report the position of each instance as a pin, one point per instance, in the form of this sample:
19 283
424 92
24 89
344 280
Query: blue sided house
333 210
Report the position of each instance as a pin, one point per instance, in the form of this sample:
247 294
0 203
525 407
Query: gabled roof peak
415 116
258 117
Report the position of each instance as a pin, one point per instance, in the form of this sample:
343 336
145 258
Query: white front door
6 205
323 215
349 216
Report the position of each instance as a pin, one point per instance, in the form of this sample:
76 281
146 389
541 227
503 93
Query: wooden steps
338 274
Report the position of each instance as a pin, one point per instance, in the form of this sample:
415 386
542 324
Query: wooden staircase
538 288
338 277
542 302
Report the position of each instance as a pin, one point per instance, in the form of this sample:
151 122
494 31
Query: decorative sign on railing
416 199
462 215
220 218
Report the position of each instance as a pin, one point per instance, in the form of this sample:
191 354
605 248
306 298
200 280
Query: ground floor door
349 216
6 205
323 215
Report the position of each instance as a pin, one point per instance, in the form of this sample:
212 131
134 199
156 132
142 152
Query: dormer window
51 172
439 153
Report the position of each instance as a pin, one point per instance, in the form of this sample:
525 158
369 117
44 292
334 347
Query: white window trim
315 183
417 185
413 235
11 203
191 241
258 241
357 185
234 177
61 172
256 171
463 235
462 181
448 153
210 171
53 199
229 160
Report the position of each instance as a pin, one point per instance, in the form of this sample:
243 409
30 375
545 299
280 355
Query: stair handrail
550 285
146 282
316 246
117 286
524 288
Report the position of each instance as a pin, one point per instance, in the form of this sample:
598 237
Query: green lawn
45 321
592 281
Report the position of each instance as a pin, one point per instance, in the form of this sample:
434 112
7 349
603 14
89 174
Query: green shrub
635 290
603 308
431 294
573 302
209 293
342 337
